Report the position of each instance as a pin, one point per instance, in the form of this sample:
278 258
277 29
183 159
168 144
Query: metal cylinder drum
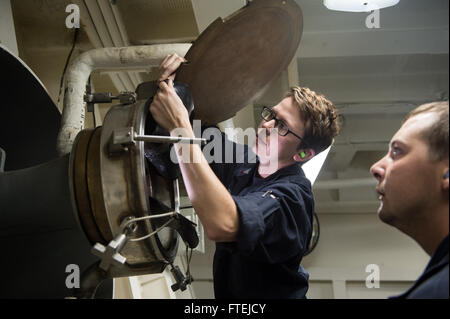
110 187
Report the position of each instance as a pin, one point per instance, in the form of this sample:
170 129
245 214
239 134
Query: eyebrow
400 143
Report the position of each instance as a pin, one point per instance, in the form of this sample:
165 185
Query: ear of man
304 155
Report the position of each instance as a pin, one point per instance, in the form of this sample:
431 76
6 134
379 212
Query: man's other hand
169 65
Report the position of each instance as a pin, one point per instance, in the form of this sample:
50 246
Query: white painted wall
348 244
202 272
153 286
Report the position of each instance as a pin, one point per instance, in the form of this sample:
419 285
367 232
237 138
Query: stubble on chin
384 215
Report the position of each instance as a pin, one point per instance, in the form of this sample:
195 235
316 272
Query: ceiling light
359 5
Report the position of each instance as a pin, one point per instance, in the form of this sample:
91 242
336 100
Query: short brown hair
437 133
320 116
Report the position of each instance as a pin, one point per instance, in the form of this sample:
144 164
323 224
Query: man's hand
167 108
169 65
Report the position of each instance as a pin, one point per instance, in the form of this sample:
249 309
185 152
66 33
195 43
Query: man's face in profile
286 146
408 181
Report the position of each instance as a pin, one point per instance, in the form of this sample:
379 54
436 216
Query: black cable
75 37
188 261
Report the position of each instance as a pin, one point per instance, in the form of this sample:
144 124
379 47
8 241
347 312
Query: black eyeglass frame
277 121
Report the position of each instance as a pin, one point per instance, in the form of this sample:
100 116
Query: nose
378 170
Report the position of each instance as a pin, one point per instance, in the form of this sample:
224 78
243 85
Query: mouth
380 193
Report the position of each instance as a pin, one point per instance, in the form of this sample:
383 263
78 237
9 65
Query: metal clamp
110 255
122 138
124 98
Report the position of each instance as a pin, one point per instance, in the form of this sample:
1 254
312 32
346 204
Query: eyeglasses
268 115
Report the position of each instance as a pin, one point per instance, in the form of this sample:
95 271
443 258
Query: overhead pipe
120 23
126 58
124 34
95 39
106 37
97 29
112 25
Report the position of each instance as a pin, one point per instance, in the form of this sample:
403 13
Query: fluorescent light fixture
359 5
313 166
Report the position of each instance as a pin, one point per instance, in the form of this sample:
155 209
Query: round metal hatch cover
234 60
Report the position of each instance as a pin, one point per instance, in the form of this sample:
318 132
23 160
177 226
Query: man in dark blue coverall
413 184
259 214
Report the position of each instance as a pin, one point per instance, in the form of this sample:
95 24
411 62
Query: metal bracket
121 139
124 98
